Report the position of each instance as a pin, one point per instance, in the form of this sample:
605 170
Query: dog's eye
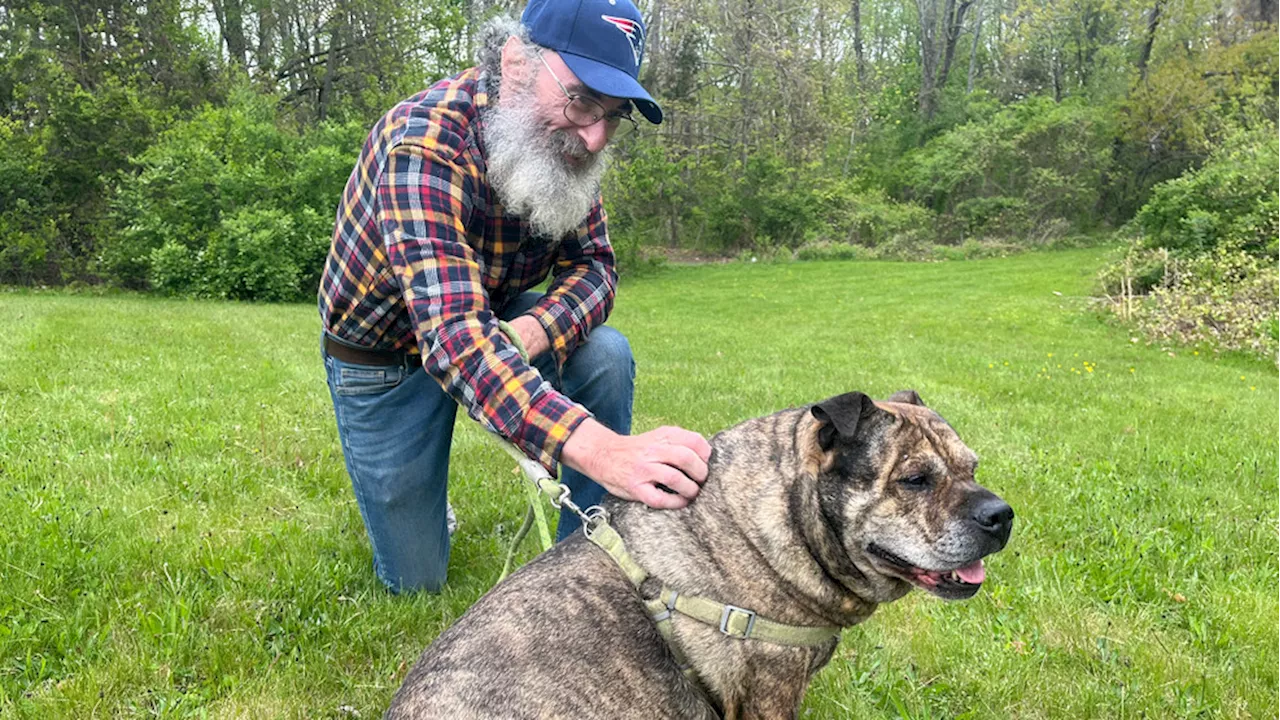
915 482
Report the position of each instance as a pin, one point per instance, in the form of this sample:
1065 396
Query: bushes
870 218
256 254
231 205
1032 163
1229 201
1204 249
28 235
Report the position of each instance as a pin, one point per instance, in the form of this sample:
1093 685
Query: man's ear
840 416
909 397
516 70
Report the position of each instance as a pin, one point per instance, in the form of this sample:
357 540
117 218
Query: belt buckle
724 621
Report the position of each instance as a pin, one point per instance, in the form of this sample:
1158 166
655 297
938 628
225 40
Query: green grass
179 537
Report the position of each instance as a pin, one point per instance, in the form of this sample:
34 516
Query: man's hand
532 335
633 466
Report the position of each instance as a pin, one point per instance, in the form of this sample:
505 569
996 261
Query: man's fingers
676 481
689 439
683 459
653 497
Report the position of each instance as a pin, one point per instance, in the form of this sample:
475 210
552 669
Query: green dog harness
736 622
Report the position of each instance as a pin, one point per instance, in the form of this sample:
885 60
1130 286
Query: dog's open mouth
956 584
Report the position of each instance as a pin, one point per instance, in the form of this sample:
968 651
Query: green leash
538 476
542 484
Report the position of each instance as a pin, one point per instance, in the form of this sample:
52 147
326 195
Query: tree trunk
1153 21
654 48
859 60
330 69
954 24
266 53
927 11
230 17
973 51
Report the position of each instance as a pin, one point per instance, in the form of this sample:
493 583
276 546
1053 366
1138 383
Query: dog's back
566 636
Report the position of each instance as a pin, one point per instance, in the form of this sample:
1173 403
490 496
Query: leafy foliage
1231 201
903 128
1031 163
1205 251
230 205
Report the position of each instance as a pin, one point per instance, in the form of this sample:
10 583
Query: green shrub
173 269
229 204
995 216
27 241
1231 201
1007 174
826 250
871 218
911 246
1136 271
977 249
253 257
28 232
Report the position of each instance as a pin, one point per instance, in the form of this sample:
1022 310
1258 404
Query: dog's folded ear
840 416
910 397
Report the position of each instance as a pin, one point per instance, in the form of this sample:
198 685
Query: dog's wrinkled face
898 490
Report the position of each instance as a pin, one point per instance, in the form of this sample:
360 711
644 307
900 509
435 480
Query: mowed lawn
178 537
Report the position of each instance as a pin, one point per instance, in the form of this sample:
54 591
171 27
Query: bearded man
465 197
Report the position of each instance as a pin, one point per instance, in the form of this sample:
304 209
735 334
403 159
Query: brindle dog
810 517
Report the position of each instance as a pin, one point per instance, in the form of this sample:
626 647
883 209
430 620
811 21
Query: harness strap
608 539
742 623
731 620
660 612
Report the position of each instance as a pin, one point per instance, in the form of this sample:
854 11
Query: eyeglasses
585 112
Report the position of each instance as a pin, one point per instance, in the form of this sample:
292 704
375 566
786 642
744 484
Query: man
464 197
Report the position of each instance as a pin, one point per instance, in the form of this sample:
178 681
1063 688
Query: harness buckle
726 616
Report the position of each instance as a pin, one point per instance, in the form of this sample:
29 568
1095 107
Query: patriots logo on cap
632 29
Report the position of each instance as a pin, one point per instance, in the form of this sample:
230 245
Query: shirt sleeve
423 205
585 281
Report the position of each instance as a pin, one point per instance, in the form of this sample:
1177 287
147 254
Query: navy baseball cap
602 42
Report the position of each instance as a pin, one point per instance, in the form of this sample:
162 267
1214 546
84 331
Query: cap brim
609 80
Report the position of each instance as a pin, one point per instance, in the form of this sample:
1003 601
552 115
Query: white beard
527 169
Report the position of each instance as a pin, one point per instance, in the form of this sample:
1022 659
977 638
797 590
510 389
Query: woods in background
200 147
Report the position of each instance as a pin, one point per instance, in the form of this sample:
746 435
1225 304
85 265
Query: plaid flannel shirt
423 256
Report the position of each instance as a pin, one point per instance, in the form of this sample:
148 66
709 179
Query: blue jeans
396 426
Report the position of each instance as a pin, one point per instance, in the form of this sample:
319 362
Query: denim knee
610 352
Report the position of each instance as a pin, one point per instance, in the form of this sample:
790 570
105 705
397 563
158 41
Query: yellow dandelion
991 365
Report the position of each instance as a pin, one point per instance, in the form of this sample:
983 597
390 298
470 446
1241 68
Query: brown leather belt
381 358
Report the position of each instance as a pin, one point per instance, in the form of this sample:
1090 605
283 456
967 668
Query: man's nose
594 136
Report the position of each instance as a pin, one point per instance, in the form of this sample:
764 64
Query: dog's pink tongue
973 574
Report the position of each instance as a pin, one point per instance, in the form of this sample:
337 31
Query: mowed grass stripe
179 536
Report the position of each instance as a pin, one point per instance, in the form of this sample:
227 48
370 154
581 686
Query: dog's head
896 487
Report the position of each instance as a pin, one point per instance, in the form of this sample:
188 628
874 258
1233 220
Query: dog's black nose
994 516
